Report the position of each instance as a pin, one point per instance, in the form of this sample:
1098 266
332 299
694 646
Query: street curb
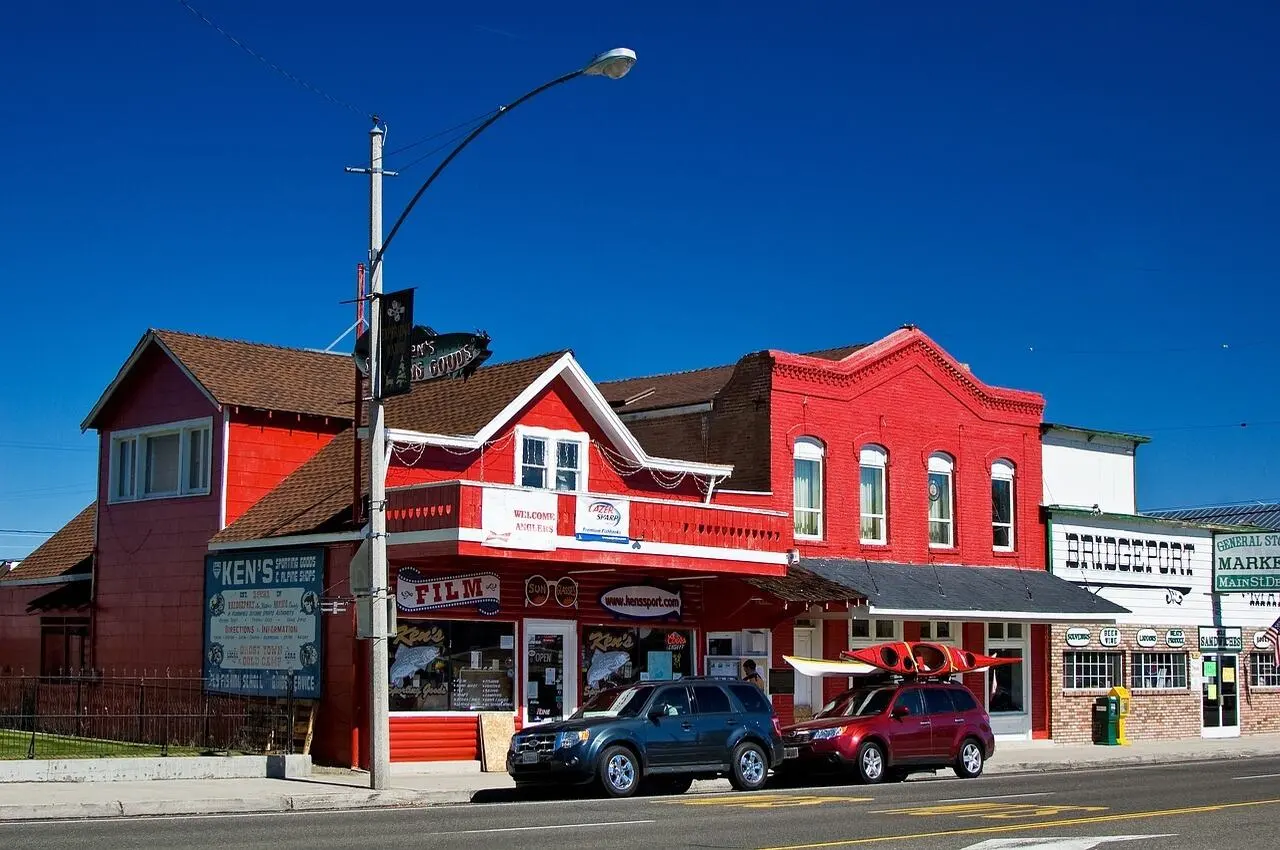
365 799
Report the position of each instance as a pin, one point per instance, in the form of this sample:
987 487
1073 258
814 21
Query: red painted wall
1040 681
150 567
912 405
20 631
265 448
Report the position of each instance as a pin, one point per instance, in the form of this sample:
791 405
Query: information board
262 622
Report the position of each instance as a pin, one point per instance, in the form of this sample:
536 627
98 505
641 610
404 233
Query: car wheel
750 768
619 772
970 761
870 766
896 774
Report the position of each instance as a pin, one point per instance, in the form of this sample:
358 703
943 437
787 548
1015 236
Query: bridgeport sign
1246 563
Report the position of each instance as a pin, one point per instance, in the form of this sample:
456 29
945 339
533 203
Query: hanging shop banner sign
642 602
397 332
1224 639
1175 638
1147 638
1244 563
416 592
519 519
1077 636
603 520
424 354
262 622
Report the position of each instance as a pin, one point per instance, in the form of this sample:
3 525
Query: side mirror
899 712
657 713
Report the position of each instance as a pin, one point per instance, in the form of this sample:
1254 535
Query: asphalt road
1206 806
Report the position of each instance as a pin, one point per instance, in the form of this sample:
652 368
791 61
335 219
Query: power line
449 142
426 139
26 532
44 447
273 66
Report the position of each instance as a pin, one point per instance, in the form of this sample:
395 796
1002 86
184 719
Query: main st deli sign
1246 563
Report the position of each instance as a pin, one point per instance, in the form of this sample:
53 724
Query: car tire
619 772
870 765
971 759
749 769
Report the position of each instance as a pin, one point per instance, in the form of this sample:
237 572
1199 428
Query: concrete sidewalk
454 784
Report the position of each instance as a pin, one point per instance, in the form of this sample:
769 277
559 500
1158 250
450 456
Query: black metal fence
95 714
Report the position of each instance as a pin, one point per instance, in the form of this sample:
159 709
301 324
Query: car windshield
616 702
860 703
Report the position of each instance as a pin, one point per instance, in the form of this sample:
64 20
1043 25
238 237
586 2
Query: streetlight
613 64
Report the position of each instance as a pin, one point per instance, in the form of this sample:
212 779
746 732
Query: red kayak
924 658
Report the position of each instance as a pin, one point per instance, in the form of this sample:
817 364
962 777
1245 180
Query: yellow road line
983 830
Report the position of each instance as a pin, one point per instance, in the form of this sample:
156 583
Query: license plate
529 757
791 752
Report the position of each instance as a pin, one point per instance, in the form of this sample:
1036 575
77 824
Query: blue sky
1079 199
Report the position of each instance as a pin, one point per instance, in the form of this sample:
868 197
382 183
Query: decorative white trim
987 616
550 438
128 367
226 456
292 540
1003 469
645 547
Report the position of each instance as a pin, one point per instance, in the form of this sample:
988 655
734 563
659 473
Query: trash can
1106 716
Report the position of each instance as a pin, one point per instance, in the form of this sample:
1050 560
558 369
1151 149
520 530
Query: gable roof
678 389
1253 514
62 553
249 374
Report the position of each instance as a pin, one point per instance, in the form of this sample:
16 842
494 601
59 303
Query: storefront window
1006 684
613 656
453 665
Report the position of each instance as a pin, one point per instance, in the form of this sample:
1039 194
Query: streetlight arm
502 110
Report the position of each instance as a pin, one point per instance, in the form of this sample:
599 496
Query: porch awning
942 591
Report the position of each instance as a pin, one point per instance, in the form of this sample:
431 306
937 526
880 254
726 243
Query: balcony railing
457 504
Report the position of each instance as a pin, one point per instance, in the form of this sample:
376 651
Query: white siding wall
1080 473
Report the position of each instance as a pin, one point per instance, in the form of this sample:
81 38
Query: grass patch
16 744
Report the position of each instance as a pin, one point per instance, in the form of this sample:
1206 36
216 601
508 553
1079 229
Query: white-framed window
161 462
808 487
1263 672
873 461
1002 506
865 632
551 460
1159 671
1092 671
942 533
997 632
942 631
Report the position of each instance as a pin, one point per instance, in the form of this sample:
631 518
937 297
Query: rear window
752 699
711 700
938 701
963 699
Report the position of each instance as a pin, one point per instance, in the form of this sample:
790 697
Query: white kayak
826 667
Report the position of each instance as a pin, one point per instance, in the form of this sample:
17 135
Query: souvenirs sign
262 622
416 592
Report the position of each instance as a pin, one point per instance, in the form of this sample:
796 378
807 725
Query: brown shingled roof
62 553
677 389
317 496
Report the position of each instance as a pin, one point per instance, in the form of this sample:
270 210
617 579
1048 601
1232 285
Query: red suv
890 731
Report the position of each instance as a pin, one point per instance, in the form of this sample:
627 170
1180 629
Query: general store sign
1244 563
642 602
1119 554
262 622
603 520
519 519
416 592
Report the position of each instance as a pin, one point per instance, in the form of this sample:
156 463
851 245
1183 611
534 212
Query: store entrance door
549 684
1219 696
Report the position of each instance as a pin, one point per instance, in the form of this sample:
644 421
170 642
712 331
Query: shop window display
453 665
613 656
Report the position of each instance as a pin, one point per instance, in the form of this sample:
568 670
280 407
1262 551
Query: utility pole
379 699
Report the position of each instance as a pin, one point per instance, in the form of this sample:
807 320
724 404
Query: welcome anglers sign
262 622
1245 563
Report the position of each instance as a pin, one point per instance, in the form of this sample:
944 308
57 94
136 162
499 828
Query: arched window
808 487
1002 506
871 494
942 532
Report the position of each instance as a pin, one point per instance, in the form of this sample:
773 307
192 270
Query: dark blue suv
664 734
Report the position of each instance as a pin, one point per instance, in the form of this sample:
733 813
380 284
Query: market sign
1245 563
1222 638
642 602
519 519
262 622
416 592
425 354
603 520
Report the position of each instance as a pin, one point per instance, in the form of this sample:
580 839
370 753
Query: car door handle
925 723
686 726
958 720
732 721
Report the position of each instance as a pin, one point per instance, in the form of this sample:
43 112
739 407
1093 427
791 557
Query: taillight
777 727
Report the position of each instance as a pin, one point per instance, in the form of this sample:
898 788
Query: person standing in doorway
749 673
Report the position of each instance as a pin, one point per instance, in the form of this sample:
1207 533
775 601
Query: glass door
1219 696
550 686
1009 685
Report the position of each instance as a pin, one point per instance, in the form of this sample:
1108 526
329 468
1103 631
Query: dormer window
162 462
551 460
